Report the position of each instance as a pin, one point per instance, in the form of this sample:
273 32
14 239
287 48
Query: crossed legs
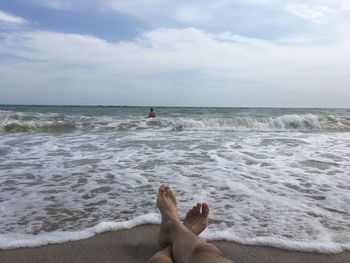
180 240
196 221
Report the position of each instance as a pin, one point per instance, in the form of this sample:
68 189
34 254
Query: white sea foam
319 246
284 183
11 241
20 122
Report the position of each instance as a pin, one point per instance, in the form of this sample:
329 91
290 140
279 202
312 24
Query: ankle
172 228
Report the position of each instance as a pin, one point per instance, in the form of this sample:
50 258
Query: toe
167 190
198 208
162 191
188 213
172 196
205 209
191 211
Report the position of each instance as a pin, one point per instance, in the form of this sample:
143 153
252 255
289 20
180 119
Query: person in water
151 114
180 241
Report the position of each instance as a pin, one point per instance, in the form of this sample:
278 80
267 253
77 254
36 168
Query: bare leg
163 256
196 221
186 246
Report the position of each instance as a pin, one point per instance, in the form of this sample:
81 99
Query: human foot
196 219
166 203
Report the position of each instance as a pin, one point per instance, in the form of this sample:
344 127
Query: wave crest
68 123
42 126
307 122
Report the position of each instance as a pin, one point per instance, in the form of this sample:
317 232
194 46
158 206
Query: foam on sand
138 244
11 241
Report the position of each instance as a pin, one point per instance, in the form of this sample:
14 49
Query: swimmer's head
151 109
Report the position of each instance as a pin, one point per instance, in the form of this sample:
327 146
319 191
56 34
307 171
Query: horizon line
169 106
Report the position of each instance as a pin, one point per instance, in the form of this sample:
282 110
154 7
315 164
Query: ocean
271 176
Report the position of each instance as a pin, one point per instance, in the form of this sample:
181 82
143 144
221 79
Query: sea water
278 177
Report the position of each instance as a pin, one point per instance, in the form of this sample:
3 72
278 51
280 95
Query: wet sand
138 245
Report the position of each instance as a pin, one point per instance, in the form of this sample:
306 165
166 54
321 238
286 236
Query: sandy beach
138 244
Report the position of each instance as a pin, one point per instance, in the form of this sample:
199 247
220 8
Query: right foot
166 203
196 220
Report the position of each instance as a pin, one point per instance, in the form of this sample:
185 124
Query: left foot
196 220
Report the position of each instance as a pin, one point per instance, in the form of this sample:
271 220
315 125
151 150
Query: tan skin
196 221
183 245
151 114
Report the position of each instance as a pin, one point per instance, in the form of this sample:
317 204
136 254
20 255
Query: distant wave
18 122
43 126
284 122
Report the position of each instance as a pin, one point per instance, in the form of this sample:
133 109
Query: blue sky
271 53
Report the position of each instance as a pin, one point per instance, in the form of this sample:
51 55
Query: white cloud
8 18
204 12
268 18
187 64
182 66
319 11
316 14
183 10
221 10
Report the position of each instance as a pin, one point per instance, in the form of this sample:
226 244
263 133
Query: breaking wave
19 122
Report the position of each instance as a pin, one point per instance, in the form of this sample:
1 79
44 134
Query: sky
223 53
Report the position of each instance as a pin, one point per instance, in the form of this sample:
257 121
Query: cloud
11 19
181 66
269 19
316 14
220 11
319 11
198 53
196 12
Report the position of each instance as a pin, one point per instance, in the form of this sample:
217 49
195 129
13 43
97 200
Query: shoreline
138 244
